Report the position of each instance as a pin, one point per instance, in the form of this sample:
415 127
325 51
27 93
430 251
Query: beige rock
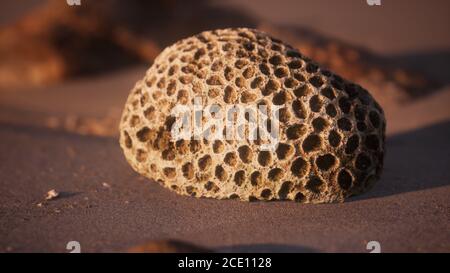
331 131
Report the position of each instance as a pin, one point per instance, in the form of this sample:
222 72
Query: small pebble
52 194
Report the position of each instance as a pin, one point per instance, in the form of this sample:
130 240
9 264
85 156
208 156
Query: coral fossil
331 131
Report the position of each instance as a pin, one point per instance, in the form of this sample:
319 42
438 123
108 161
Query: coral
331 136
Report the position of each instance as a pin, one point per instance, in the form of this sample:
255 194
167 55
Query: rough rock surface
331 130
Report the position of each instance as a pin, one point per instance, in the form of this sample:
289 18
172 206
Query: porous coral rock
331 138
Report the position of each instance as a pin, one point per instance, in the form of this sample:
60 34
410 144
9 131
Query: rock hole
315 103
362 162
280 98
374 119
264 158
284 115
240 82
239 177
218 146
295 131
302 91
266 193
169 172
256 178
319 124
270 87
334 138
345 105
275 174
290 83
284 151
195 146
311 68
281 72
248 72
276 60
221 173
361 126
311 143
230 159
299 167
247 97
144 134
299 197
328 92
182 146
344 124
211 186
372 142
230 95
128 142
245 153
316 81
299 109
325 162
314 184
295 64
284 190
168 154
352 144
141 155
149 113
345 179
204 162
188 170
360 113
264 68
214 80
331 110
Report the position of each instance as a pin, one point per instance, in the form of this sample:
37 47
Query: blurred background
53 55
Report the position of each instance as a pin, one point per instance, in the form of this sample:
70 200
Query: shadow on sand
415 161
